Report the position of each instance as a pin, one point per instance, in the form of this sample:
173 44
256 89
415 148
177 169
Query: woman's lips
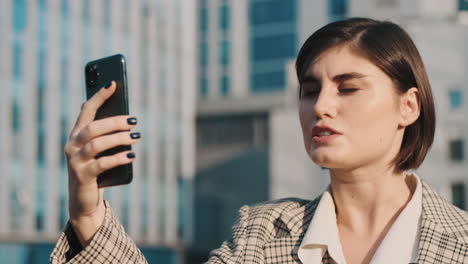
325 139
324 134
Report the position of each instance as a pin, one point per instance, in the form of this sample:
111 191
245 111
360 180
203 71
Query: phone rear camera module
93 75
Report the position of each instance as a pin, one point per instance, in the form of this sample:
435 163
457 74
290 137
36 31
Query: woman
367 115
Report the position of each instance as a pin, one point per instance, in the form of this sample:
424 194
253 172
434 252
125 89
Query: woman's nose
325 105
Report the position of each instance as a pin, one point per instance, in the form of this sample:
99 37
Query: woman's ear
410 106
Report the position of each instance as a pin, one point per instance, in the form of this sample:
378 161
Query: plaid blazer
271 232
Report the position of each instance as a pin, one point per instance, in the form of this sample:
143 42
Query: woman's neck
367 201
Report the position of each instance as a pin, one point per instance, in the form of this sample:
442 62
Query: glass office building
244 46
273 41
45 45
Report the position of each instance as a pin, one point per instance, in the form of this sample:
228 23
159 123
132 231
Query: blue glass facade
224 48
225 85
203 87
224 17
456 99
203 19
203 54
272 11
459 194
203 48
463 5
274 47
264 82
337 9
273 41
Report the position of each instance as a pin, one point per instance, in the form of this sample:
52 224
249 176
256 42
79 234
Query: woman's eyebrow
347 76
337 78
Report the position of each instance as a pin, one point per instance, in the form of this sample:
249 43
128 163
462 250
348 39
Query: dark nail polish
135 135
131 155
132 121
108 84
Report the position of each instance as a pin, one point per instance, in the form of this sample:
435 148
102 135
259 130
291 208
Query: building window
217 131
16 120
17 67
337 9
456 150
463 5
274 47
203 3
225 85
203 19
19 15
458 195
203 87
268 82
203 53
224 17
224 52
272 11
456 99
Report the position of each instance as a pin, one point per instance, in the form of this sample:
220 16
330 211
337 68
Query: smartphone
97 74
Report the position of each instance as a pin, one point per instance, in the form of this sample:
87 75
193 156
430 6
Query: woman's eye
348 90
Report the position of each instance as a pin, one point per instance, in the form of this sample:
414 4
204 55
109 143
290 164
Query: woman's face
349 112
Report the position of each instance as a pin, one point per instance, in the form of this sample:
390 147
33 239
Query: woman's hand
87 139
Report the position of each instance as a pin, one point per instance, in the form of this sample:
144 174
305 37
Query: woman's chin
325 160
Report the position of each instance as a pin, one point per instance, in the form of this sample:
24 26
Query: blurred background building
214 87
44 47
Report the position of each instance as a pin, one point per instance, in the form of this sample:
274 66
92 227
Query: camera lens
93 74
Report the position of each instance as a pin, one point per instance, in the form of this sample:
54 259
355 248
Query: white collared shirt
400 244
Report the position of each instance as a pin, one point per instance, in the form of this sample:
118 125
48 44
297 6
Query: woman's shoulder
440 211
281 206
286 214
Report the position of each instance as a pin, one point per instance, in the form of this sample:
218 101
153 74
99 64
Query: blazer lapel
439 246
288 232
442 231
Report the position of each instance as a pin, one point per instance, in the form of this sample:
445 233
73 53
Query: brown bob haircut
391 49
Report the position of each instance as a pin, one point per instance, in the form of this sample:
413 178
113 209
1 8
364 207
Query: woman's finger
100 144
88 109
105 163
104 126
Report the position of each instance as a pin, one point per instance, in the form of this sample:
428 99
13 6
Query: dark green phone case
98 73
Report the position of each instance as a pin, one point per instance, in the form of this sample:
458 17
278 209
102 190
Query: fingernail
131 155
108 84
131 121
135 135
